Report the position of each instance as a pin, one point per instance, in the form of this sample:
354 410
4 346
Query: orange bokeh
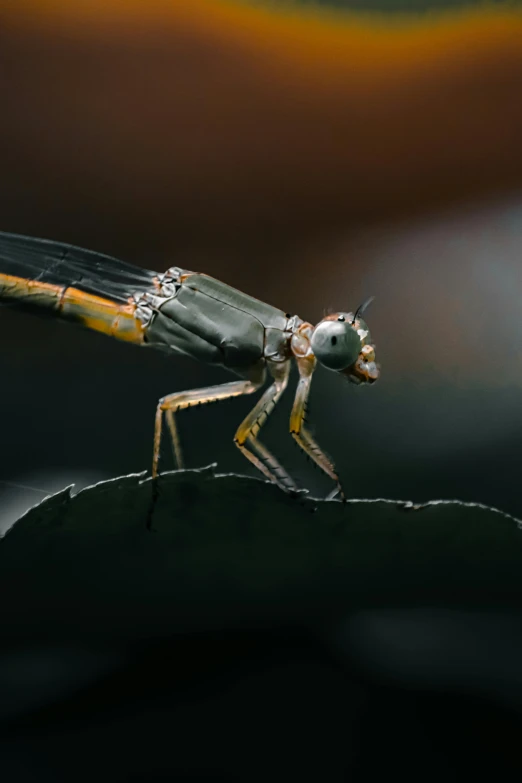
238 118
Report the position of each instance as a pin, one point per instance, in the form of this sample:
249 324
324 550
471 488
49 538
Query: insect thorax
213 322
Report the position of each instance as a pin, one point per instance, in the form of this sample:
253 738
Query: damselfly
191 313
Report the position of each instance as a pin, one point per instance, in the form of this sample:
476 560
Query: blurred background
303 172
310 159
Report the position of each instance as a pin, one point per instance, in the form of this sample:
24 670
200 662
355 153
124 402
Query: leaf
131 559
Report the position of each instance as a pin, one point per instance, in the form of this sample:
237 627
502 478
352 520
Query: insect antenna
360 310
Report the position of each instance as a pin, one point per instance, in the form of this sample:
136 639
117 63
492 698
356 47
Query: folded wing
69 282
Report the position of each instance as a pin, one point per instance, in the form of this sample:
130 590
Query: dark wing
60 264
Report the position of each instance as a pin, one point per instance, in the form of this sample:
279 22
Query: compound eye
341 318
335 344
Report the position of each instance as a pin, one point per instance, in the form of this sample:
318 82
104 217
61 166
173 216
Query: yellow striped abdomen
94 312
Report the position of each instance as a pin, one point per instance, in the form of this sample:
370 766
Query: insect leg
246 435
306 366
175 402
174 437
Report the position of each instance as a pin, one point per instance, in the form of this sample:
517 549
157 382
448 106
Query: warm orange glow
318 38
231 117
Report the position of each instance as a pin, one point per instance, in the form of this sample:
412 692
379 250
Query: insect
186 312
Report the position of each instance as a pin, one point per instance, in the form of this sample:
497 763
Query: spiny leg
306 367
268 464
175 402
246 435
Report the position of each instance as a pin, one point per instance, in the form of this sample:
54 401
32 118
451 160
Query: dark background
113 139
178 151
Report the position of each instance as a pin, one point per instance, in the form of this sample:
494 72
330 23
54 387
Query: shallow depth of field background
445 420
311 162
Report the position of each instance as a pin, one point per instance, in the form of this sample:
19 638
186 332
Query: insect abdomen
72 304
